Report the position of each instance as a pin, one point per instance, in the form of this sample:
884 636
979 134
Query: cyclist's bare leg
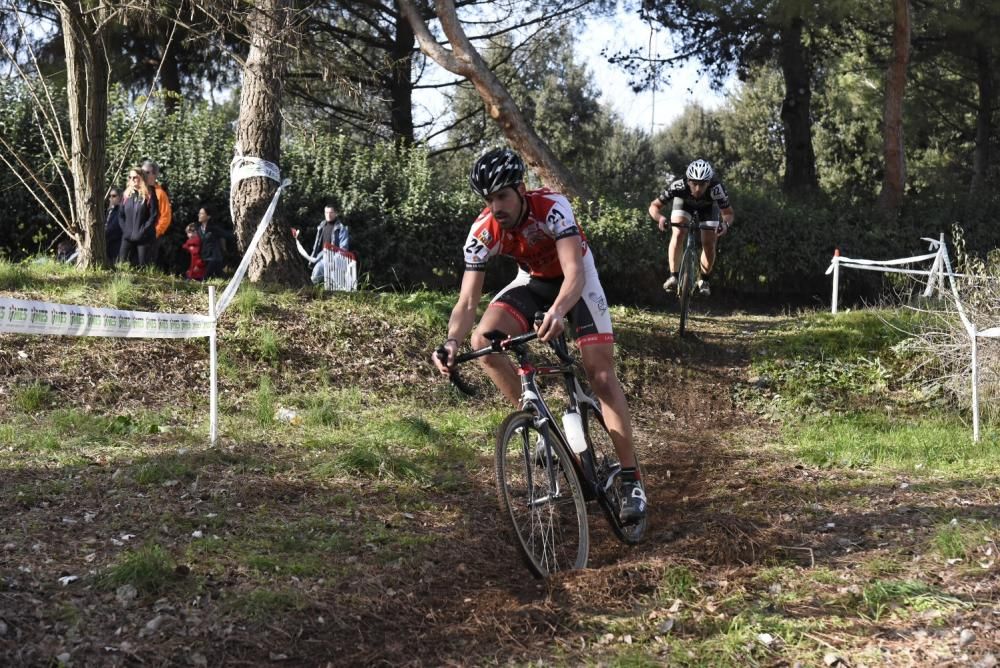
499 367
599 362
708 239
677 238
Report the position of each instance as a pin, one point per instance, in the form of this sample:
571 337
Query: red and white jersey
532 244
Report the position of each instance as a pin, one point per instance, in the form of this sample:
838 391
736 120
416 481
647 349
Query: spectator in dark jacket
112 225
138 221
213 240
330 232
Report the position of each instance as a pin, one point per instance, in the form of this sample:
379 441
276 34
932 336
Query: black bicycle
690 267
545 479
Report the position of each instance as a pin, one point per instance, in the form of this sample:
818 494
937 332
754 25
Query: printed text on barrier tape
19 316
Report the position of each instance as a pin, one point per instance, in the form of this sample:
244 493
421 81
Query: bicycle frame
690 267
533 402
531 398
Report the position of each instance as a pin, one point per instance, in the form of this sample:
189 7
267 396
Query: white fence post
213 400
935 277
836 281
975 381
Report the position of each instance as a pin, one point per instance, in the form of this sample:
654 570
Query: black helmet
494 170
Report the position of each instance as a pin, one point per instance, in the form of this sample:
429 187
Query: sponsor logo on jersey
486 237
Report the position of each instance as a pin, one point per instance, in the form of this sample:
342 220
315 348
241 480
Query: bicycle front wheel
542 498
607 472
686 280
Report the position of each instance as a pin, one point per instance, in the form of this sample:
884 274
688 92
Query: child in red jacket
196 271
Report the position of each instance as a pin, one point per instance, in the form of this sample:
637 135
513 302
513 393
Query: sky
650 110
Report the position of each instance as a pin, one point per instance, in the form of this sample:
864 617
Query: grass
264 604
122 292
904 597
841 387
248 301
385 479
967 540
32 397
268 345
871 440
265 403
149 569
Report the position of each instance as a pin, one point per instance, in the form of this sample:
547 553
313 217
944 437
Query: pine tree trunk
984 121
891 197
401 85
86 90
796 112
259 135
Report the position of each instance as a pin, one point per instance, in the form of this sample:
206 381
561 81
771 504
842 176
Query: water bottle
573 426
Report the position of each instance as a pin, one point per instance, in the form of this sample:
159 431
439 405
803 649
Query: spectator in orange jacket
151 172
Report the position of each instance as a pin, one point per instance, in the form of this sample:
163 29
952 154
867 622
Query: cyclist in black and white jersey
699 192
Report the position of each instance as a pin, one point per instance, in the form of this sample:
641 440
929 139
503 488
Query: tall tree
79 166
258 134
86 90
727 35
355 70
463 59
893 149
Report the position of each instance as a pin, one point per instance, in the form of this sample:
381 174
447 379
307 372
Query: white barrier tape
893 263
245 167
879 263
340 270
241 270
991 333
302 251
21 316
887 270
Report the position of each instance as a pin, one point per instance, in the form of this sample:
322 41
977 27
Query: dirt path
456 592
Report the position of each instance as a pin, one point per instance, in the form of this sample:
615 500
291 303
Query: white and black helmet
494 170
700 170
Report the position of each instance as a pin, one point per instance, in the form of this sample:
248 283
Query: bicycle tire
550 525
603 464
686 280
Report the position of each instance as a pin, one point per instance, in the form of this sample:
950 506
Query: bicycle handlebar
501 343
691 224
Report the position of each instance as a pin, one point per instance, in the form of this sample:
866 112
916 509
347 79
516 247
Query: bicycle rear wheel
607 473
542 499
686 280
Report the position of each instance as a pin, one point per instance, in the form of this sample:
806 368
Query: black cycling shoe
633 508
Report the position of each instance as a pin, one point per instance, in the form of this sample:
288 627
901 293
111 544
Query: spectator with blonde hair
138 221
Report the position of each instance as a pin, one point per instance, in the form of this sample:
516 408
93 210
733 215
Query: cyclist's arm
463 316
727 220
571 261
656 213
728 216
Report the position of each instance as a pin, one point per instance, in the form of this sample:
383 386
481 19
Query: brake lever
453 376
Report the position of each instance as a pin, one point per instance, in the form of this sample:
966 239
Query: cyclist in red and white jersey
557 275
699 192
